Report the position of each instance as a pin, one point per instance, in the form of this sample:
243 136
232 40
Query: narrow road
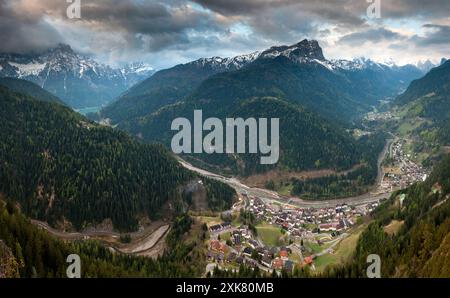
144 242
372 196
333 245
74 235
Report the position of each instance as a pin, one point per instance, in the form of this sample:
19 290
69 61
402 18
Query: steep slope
424 108
436 81
65 169
169 86
78 80
309 84
294 84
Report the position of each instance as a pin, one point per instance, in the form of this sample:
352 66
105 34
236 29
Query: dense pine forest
307 141
60 166
352 183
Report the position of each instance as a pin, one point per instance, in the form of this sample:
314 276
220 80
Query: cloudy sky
165 33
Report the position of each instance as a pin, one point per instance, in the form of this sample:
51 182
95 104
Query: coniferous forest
60 166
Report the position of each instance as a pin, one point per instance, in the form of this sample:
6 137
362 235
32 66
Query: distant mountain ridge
78 80
360 82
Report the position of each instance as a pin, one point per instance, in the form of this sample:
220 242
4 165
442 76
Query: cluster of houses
242 246
220 227
409 172
376 116
301 222
250 252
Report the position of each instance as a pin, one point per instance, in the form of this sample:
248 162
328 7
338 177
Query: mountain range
335 88
315 99
77 79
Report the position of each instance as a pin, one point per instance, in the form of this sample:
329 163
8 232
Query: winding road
146 240
371 196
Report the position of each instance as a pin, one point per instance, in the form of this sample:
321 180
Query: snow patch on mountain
77 79
233 63
30 69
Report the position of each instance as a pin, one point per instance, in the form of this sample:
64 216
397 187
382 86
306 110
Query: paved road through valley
372 196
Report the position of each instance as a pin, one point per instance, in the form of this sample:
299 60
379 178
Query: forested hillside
163 88
31 252
62 167
354 182
306 140
429 98
420 247
29 88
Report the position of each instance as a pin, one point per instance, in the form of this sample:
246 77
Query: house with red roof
308 260
284 255
277 264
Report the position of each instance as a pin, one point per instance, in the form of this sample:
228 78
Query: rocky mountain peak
303 50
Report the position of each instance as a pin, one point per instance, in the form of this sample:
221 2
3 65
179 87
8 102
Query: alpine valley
363 168
317 100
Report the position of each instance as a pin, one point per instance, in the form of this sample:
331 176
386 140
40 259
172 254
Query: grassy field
393 227
408 126
269 234
321 262
286 189
225 236
316 248
210 220
342 251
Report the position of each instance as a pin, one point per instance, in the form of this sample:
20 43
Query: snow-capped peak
71 74
362 63
137 67
425 66
231 63
304 51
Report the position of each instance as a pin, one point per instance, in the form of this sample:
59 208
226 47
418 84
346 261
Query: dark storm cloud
371 35
270 16
151 25
146 17
239 7
439 35
166 32
156 25
340 9
415 8
24 32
